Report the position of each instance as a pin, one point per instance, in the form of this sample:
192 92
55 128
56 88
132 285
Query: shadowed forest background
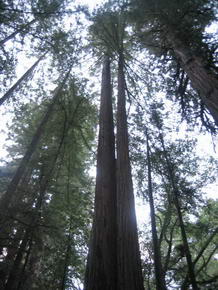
128 89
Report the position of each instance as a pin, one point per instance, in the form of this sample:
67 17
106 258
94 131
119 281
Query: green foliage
56 189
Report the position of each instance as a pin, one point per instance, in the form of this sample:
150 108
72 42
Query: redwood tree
129 265
101 272
177 29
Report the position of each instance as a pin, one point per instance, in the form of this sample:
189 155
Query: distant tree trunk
24 77
66 262
8 196
160 281
17 274
129 264
23 274
14 275
202 79
41 198
19 30
11 246
101 271
190 264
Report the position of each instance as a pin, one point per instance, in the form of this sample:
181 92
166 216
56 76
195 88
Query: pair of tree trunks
114 258
202 79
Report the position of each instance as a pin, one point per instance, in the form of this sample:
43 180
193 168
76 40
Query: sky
91 3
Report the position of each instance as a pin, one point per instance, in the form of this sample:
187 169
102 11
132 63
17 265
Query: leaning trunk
190 264
101 268
24 77
19 30
8 196
129 265
202 79
160 281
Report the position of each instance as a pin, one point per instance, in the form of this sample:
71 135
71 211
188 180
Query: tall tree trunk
24 77
190 264
202 79
160 281
129 264
101 271
8 196
21 29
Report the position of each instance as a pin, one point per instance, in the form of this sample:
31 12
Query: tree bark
12 35
24 77
129 264
202 79
8 196
160 281
101 271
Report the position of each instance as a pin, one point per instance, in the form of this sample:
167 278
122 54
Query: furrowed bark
129 264
101 271
202 79
24 77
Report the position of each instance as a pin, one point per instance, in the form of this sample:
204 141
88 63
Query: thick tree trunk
188 256
8 196
202 79
19 30
24 77
160 281
129 264
101 272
